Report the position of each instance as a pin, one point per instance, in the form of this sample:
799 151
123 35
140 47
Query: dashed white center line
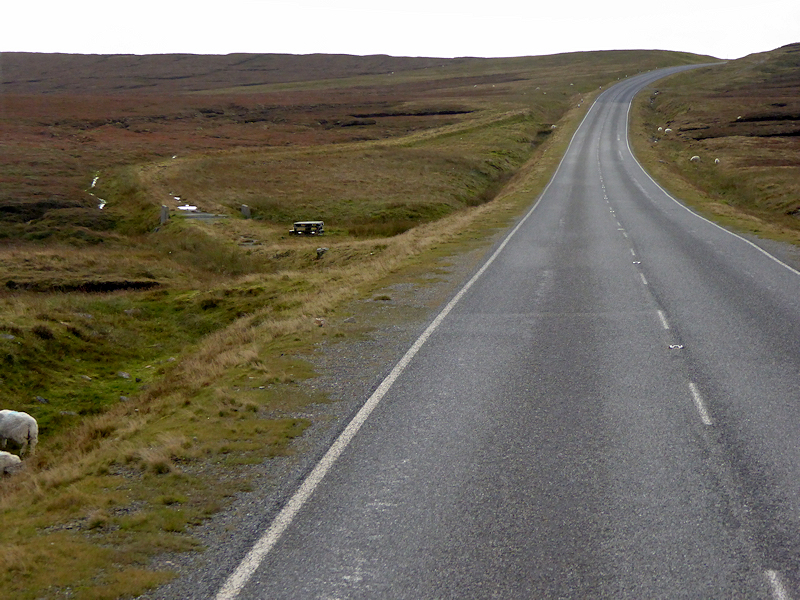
644 280
701 407
663 318
778 590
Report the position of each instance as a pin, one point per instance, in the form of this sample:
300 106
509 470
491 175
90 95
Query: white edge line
778 590
679 203
241 575
701 407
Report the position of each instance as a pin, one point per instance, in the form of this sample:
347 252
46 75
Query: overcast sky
439 28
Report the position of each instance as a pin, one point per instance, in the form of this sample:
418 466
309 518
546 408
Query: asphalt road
609 409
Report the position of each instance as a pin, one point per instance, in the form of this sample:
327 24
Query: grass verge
739 120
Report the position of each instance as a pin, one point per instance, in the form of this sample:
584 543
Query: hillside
742 121
68 118
27 73
31 73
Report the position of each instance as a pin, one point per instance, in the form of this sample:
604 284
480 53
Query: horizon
419 29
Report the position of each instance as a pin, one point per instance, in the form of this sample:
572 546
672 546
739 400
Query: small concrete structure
308 228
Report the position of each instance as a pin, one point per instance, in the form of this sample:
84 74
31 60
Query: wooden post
164 214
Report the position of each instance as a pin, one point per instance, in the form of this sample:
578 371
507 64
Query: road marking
701 407
663 317
244 571
644 281
239 578
633 252
778 590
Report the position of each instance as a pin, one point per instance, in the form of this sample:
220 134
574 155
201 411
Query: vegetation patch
739 120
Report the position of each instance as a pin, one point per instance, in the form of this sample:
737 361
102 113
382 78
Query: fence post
164 214
245 211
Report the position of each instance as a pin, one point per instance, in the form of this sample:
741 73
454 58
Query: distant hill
24 73
33 73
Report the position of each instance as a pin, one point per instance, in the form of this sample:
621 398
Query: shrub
43 332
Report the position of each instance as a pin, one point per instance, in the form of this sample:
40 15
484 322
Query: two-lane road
609 409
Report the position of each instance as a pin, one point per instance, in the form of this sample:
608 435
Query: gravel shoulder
378 331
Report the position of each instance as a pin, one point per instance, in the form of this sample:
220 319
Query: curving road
609 409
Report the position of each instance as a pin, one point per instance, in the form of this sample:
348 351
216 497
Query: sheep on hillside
695 159
19 427
8 462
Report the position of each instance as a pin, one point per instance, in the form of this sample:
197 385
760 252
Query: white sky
439 28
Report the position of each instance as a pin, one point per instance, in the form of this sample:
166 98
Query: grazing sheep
8 462
716 161
19 427
668 130
695 159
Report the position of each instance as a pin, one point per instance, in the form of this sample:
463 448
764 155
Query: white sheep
8 462
20 428
695 159
668 130
716 161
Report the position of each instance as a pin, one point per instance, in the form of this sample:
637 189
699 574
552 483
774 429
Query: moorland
742 119
163 357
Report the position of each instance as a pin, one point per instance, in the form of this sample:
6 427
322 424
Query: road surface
609 409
